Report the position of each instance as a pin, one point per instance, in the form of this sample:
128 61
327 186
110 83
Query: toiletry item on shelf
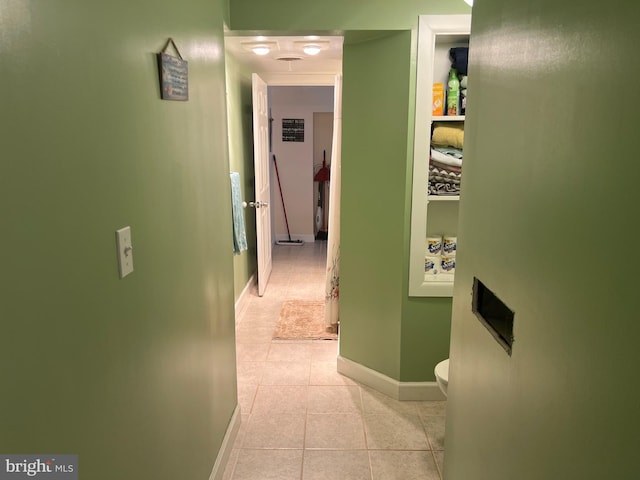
449 245
431 264
448 264
434 245
453 93
463 93
438 99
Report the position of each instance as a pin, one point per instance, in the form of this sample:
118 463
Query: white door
263 191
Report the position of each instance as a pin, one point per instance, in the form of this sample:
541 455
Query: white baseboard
227 445
389 386
242 298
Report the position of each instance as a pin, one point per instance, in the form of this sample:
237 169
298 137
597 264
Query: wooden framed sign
174 75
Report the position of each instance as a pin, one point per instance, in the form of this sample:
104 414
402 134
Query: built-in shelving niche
436 35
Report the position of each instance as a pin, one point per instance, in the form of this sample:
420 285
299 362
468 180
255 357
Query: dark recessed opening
494 314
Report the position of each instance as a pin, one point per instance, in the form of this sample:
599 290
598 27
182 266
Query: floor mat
303 320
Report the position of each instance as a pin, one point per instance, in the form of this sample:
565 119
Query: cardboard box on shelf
438 99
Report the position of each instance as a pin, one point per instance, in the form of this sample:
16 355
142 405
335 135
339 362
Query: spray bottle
453 93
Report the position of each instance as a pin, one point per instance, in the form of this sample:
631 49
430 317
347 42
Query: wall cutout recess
493 314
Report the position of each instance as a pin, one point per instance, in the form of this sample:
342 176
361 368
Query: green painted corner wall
426 328
373 185
426 321
135 375
542 214
382 328
239 108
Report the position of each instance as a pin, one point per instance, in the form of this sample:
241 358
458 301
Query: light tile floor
303 420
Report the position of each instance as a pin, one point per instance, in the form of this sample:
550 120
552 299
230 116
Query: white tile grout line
435 460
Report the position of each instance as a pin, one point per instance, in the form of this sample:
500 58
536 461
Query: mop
284 209
321 176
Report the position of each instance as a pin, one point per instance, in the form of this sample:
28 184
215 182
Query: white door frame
264 218
301 79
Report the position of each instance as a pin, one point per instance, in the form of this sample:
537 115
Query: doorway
299 158
284 67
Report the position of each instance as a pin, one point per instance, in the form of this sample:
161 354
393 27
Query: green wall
547 210
135 375
382 328
373 185
239 107
301 15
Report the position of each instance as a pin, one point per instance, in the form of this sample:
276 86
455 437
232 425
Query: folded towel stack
448 134
445 162
450 158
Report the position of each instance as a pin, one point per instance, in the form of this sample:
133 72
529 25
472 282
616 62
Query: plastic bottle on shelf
453 93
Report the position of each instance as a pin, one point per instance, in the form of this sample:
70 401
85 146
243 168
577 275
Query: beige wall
295 159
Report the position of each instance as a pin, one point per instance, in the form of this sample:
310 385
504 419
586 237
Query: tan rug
303 320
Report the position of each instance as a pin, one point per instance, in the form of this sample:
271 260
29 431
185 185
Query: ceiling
286 54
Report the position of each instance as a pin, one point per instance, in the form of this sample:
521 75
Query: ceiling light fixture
312 49
261 49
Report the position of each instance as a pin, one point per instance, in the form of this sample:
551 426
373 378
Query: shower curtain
332 290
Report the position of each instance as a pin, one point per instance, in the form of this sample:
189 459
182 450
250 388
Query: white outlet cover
125 251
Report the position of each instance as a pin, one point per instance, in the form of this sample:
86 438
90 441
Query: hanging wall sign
174 75
293 129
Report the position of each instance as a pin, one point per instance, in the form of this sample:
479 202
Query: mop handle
284 209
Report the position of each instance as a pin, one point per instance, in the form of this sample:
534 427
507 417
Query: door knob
255 204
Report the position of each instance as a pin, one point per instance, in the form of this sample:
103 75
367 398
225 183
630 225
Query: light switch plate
125 251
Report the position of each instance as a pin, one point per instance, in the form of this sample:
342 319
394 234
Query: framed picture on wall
293 129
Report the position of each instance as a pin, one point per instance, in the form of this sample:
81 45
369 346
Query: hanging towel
239 233
459 59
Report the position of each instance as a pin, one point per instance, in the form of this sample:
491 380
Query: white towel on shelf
446 159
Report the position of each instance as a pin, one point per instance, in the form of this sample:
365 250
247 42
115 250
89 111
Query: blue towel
459 59
239 233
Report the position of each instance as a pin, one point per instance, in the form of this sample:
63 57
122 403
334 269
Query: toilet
442 375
